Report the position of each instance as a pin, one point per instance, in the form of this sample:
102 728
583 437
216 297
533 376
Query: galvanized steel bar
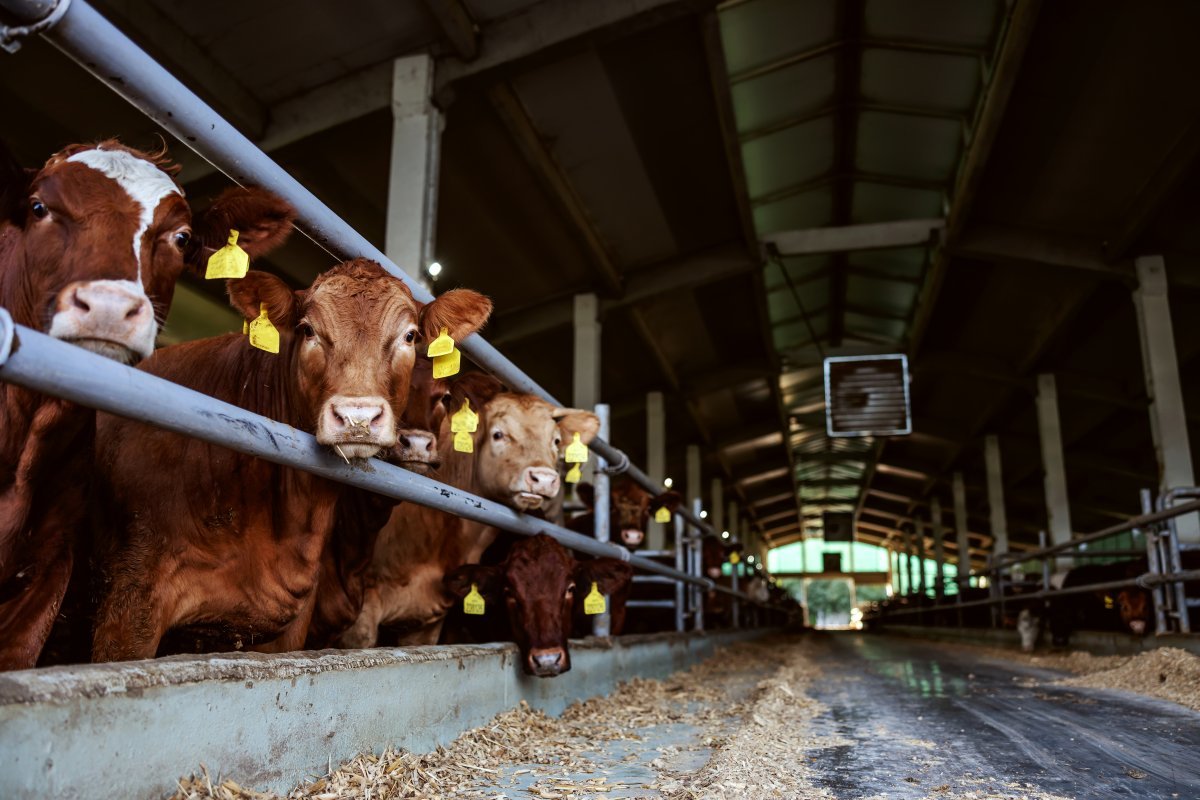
601 508
99 47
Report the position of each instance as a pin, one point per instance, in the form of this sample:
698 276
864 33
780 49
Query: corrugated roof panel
795 334
877 202
875 326
798 268
913 147
762 31
783 94
789 157
921 80
811 209
944 21
813 294
904 262
888 296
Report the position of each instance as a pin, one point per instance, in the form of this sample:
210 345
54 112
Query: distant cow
533 595
517 446
207 540
630 510
91 246
1126 610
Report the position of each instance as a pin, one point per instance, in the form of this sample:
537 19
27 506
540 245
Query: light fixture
724 534
750 559
667 482
434 269
703 514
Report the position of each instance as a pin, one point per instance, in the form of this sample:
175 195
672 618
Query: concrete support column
1168 417
960 529
919 531
907 565
586 384
939 547
1054 464
413 174
656 460
717 513
995 490
733 522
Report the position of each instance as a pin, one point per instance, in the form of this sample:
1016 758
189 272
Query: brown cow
226 545
533 593
629 511
90 248
517 445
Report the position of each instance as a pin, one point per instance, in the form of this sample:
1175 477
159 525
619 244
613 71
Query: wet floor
927 718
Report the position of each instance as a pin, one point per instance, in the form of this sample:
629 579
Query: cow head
714 553
630 509
100 235
538 583
1136 609
519 442
416 442
350 342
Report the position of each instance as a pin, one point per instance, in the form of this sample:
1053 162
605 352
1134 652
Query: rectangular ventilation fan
839 526
867 396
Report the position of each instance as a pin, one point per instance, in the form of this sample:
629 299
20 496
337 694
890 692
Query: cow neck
469 538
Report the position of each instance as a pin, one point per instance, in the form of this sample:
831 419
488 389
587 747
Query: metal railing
36 361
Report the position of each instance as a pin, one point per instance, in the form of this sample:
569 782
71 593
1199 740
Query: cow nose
632 537
541 480
367 420
1138 627
109 301
547 662
416 442
106 311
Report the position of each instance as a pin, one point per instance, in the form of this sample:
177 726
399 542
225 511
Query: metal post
586 384
919 530
681 565
1058 507
601 623
995 490
939 546
695 502
1156 565
413 173
717 499
962 536
735 531
1045 562
908 560
656 461
1168 417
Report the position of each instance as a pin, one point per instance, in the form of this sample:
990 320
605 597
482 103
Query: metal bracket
11 35
8 332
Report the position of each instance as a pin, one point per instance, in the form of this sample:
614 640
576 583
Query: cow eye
38 208
497 435
410 337
182 238
307 331
570 589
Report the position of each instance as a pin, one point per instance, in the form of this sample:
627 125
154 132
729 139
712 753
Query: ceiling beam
457 26
854 238
1007 244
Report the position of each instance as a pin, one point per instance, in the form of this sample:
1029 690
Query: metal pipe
680 565
601 501
39 362
100 48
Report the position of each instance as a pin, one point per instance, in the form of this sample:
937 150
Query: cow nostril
79 303
404 442
134 311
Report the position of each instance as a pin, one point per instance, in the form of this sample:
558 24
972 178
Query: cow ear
249 293
460 311
478 387
486 578
262 219
586 494
573 421
14 187
668 500
610 574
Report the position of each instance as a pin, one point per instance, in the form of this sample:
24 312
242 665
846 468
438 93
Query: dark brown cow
516 449
210 541
533 594
90 248
630 509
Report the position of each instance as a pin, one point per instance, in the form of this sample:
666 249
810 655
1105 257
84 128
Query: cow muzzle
535 487
547 662
1138 626
110 317
416 451
357 427
632 537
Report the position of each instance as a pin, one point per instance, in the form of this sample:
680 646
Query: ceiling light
434 269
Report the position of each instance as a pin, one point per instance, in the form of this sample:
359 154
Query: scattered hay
1167 673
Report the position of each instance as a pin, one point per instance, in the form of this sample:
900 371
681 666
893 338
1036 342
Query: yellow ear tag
442 345
245 326
447 365
262 333
577 451
734 557
594 602
230 261
473 602
463 443
464 419
574 474
663 514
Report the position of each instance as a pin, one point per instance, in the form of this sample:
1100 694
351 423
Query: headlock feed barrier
34 360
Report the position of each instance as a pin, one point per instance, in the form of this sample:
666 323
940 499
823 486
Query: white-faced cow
91 246
228 546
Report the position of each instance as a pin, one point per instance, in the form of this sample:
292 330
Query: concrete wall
129 730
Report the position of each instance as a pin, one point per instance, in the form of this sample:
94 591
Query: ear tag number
463 442
447 365
577 451
262 333
442 345
734 558
473 602
594 602
230 261
574 474
663 514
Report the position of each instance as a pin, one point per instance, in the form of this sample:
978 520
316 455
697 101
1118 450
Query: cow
516 447
91 246
533 596
202 539
1100 610
630 509
341 588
